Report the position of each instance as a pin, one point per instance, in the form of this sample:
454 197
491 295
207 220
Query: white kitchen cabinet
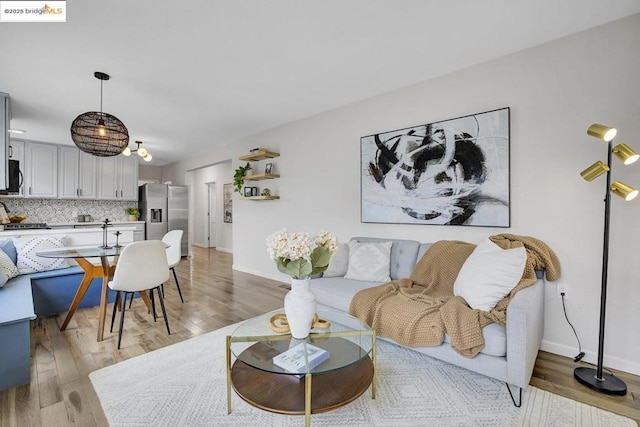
77 173
68 167
118 178
41 170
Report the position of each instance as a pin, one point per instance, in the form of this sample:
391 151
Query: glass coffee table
335 382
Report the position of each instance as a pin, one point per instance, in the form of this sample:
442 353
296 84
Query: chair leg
121 321
164 312
116 303
177 284
153 304
131 300
519 404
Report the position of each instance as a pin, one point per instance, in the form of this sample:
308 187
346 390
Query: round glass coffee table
341 378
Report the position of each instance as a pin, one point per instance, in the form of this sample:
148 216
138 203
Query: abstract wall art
453 172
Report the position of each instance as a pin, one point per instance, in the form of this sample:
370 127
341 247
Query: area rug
185 385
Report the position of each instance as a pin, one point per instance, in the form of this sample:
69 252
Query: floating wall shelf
259 155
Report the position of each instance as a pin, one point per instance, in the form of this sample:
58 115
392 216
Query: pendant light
99 133
142 152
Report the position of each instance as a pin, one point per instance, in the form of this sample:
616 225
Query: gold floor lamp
596 379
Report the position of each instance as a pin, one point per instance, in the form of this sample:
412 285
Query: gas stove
26 226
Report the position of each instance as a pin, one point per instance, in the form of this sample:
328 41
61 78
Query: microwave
14 177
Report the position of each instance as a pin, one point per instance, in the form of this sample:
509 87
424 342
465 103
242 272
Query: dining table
82 254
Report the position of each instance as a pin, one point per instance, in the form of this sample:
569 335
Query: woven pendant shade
86 135
99 133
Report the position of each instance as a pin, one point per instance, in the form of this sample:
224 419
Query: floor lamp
596 379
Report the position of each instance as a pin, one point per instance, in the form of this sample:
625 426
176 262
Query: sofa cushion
29 262
369 261
8 269
404 254
495 340
10 249
336 292
339 262
489 274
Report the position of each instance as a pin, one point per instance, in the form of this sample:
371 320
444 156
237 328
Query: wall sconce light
596 379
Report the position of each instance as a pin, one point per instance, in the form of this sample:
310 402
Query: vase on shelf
300 308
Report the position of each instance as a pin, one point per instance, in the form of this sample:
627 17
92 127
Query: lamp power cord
581 353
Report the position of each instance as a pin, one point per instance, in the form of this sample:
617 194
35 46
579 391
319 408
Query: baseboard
229 251
259 273
198 245
591 357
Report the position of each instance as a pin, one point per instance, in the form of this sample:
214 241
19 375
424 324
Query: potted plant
133 213
238 177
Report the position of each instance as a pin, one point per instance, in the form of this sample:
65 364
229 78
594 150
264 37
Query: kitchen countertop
96 223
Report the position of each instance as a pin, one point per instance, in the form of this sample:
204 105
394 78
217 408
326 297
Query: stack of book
296 359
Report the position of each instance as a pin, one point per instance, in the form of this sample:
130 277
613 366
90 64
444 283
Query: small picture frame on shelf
254 191
268 168
247 191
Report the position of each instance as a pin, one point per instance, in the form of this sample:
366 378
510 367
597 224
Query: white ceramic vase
300 308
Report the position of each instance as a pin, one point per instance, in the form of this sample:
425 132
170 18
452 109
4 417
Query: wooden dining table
108 259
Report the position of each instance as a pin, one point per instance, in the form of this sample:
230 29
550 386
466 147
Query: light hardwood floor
60 393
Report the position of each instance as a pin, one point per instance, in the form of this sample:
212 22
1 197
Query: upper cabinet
65 172
118 178
77 178
5 117
41 177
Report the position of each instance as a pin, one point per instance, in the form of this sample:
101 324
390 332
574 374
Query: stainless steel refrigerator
164 208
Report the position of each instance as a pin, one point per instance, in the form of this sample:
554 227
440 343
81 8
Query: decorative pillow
489 274
29 262
339 262
369 261
8 269
9 249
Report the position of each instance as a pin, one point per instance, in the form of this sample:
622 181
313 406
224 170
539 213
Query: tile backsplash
53 211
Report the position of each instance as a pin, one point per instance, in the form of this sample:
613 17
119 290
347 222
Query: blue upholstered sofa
510 352
27 296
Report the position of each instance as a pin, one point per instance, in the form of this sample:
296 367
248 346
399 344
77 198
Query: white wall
148 172
197 181
555 92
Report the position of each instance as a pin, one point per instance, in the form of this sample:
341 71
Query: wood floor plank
61 394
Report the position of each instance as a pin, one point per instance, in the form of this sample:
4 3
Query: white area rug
185 385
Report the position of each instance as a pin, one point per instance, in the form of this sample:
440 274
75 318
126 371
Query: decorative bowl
17 218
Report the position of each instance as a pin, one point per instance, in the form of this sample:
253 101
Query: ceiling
189 76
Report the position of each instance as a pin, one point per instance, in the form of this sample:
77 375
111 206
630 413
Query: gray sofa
510 352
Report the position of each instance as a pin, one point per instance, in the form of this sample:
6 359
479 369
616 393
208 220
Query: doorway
212 208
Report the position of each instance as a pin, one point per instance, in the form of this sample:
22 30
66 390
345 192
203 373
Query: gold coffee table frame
309 375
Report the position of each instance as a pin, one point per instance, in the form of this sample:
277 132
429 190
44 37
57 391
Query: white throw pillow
339 262
29 262
8 269
369 261
489 274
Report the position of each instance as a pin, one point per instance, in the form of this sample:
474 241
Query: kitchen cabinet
41 171
5 118
118 178
77 173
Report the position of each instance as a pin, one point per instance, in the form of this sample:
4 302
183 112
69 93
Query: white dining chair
173 240
142 266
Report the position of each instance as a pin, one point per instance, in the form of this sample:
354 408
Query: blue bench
25 297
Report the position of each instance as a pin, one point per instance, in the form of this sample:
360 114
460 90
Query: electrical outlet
563 288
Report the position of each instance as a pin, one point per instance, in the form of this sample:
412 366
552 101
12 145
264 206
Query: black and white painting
228 202
453 172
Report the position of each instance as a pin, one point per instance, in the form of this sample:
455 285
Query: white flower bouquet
299 255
